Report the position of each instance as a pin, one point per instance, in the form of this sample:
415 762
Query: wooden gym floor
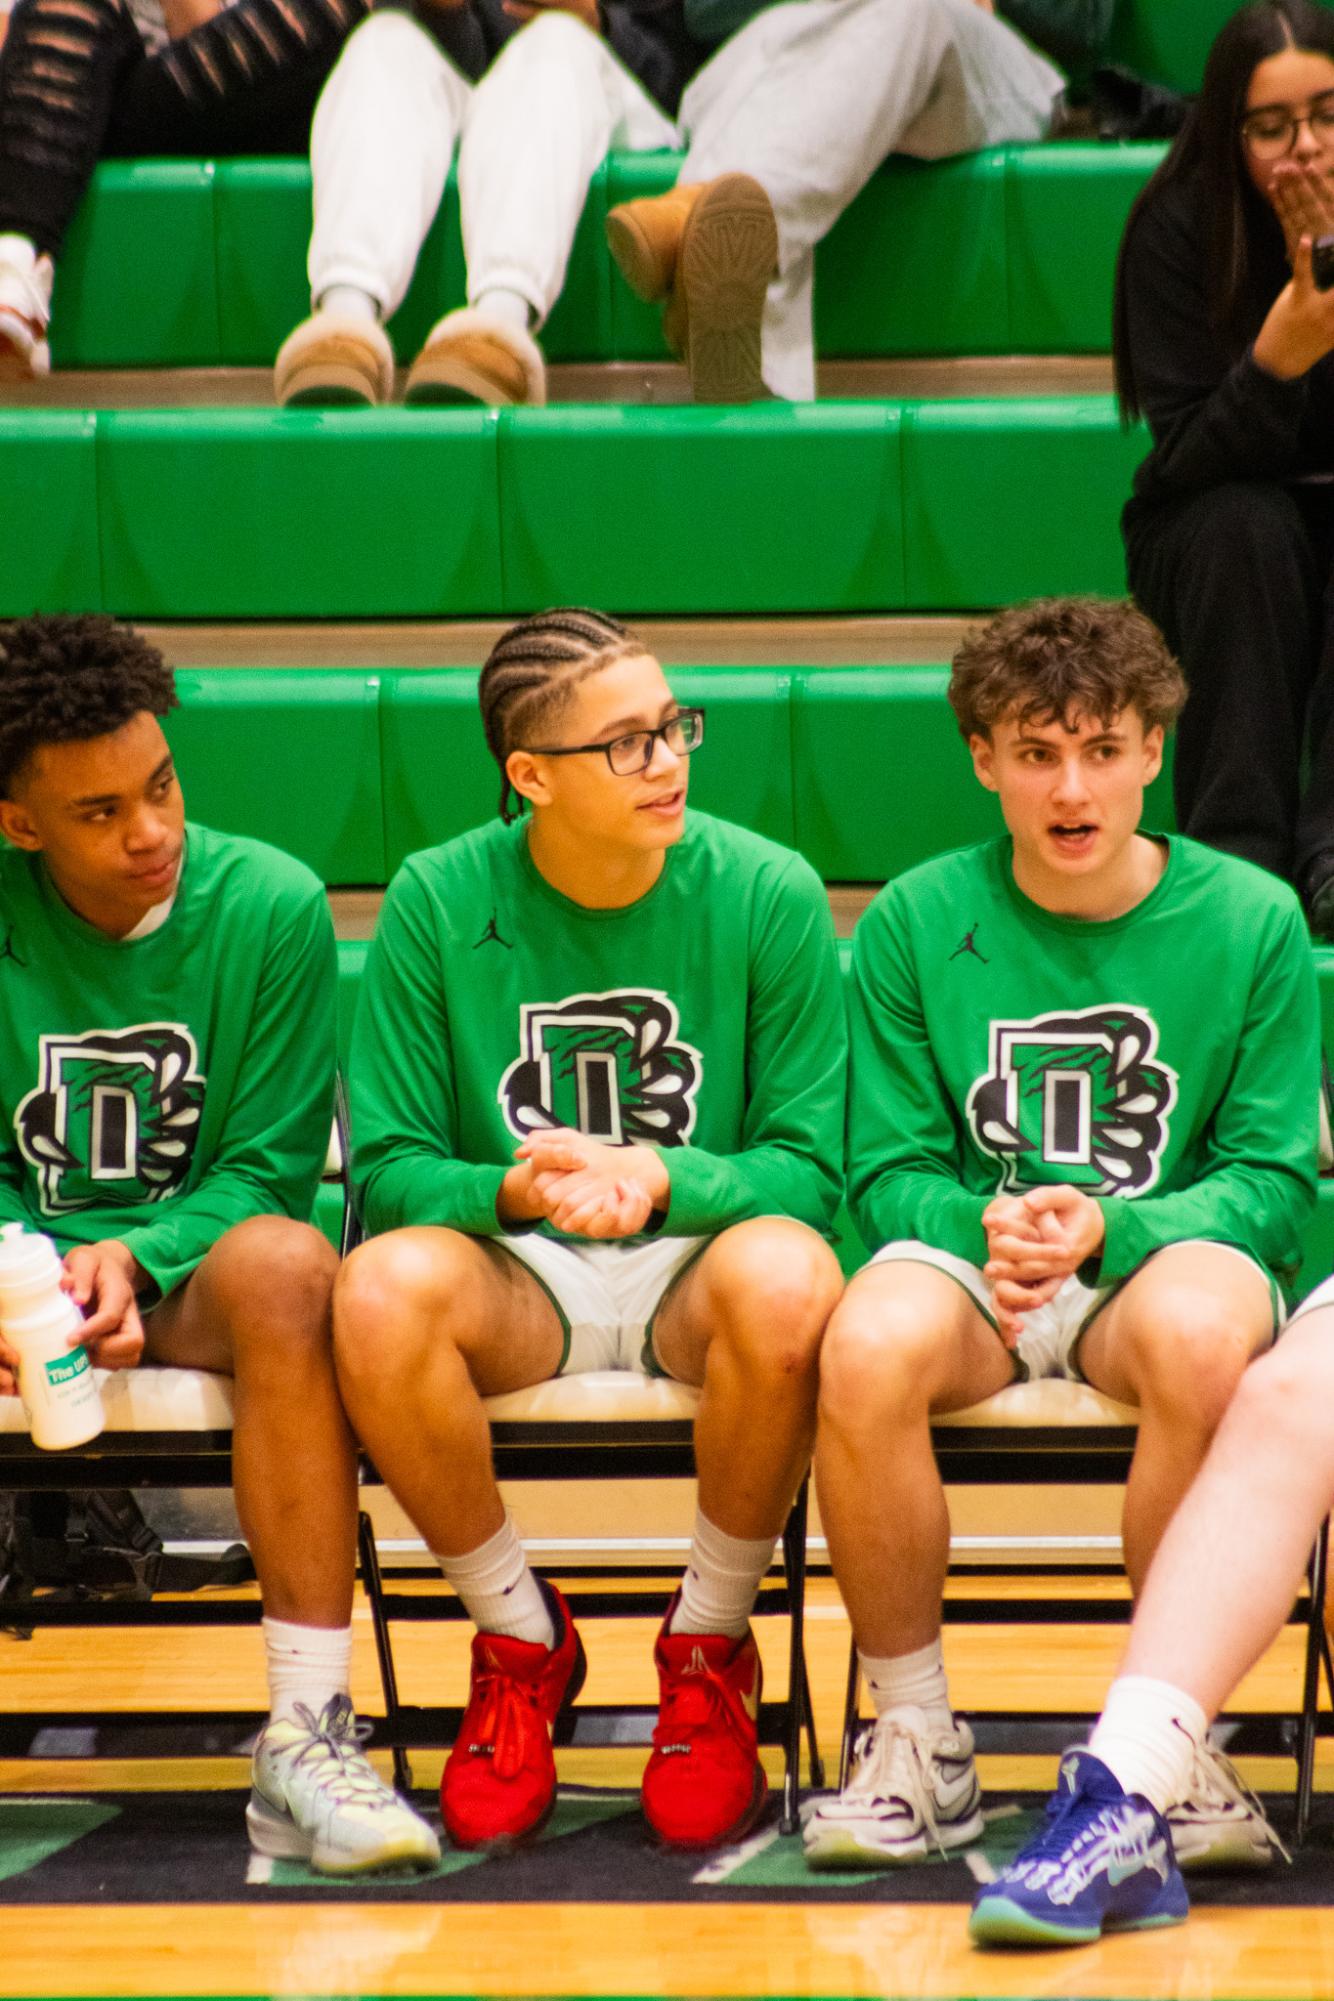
598 1949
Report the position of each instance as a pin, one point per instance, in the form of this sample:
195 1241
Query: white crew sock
499 1590
910 1681
1147 1737
351 302
722 1576
510 308
307 1664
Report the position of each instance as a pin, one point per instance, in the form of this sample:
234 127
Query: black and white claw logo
1077 1098
607 1065
115 1117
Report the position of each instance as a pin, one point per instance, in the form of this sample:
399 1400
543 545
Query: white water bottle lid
29 1265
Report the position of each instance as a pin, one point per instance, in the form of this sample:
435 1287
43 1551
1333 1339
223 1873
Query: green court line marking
32 1830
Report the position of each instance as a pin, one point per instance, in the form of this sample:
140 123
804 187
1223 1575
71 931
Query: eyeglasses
1269 134
633 752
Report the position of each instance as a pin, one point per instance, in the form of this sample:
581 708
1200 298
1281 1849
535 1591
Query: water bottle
56 1381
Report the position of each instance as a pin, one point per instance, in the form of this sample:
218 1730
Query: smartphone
1322 263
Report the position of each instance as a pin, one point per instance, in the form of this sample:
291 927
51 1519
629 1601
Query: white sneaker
913 1790
316 1798
25 310
1219 1823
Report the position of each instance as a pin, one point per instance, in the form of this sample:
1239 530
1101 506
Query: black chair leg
370 1577
812 1740
849 1716
798 1686
1315 1632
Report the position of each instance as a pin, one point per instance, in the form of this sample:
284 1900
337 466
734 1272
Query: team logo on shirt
608 1065
115 1118
1078 1098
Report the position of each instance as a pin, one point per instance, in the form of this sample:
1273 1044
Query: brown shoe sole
729 252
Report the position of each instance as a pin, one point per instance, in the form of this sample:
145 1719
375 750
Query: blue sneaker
1103 1862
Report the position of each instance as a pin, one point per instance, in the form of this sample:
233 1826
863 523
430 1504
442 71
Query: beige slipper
334 359
469 358
644 237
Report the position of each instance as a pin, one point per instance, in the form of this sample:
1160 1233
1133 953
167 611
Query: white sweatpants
531 135
811 95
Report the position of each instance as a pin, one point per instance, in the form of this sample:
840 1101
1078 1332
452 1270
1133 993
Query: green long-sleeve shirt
1166 1062
161 1089
704 1019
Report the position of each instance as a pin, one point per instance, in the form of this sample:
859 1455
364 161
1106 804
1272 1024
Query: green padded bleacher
822 507
1168 40
175 263
289 756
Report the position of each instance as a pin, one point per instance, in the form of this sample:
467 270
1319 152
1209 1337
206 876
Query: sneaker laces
1215 1779
336 1737
507 1712
699 1699
892 1763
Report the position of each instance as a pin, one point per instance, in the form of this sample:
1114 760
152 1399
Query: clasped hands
1035 1242
583 1187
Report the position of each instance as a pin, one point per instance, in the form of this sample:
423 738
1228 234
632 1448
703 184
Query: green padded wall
701 510
1066 209
881 778
262 211
287 755
1168 40
49 558
440 779
1016 498
917 264
137 283
327 514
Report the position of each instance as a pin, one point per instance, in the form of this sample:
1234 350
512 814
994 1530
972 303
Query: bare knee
1188 1356
271 1282
396 1290
772 1285
878 1359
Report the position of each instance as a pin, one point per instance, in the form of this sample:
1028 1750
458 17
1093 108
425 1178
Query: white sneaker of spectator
316 1797
25 310
913 1791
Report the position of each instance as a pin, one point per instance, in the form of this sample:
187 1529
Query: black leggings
77 85
1238 578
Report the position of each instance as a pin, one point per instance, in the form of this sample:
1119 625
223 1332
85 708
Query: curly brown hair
1063 657
64 679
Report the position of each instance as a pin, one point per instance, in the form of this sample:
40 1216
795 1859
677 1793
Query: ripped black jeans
77 85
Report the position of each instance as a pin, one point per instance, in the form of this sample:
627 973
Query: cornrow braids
532 670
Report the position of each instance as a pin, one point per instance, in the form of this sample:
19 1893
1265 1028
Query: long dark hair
1233 210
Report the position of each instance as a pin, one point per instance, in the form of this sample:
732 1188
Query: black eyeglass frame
1322 105
650 737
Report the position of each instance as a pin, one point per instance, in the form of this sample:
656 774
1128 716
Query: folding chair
1060 1433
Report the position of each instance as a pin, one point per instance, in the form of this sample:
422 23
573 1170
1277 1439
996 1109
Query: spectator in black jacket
1224 342
534 92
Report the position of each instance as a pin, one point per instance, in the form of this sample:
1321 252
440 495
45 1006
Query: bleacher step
904 641
631 382
356 911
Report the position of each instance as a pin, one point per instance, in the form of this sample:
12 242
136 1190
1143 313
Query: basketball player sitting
1082 1140
166 1089
598 1087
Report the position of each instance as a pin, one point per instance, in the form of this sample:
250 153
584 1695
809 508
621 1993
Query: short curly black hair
66 678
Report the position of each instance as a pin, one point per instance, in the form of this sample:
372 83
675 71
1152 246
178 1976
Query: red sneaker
704 1783
499 1782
